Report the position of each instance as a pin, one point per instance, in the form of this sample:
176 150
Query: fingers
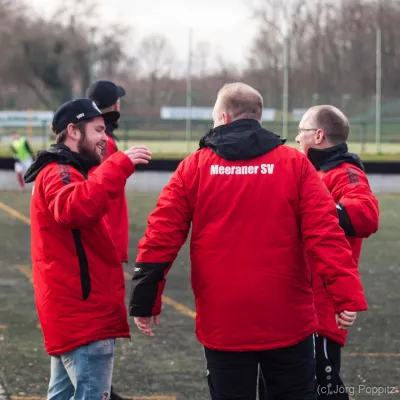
144 324
348 316
343 325
140 160
345 319
139 155
145 328
139 150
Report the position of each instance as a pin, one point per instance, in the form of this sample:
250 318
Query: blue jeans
84 373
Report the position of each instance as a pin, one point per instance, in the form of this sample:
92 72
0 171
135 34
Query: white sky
223 23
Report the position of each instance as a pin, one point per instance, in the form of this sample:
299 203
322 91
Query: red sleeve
77 203
167 231
326 246
357 206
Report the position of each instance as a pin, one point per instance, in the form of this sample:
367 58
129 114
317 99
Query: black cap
78 110
105 93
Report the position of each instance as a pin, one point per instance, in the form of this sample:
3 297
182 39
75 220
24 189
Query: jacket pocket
83 264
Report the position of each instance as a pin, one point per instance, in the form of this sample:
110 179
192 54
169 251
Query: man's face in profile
216 115
306 136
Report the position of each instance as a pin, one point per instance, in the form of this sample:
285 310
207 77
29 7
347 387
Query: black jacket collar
332 157
63 155
240 140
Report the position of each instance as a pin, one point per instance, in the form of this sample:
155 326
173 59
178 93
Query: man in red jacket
323 133
78 277
254 206
107 95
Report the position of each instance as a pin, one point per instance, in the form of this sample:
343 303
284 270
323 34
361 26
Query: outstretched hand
144 324
139 155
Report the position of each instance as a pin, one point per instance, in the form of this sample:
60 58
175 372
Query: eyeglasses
306 130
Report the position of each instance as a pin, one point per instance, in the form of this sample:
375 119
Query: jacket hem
256 346
76 345
331 336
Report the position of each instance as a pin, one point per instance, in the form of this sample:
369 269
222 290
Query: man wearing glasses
322 136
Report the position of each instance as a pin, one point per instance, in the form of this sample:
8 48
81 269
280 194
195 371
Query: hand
345 319
139 155
143 323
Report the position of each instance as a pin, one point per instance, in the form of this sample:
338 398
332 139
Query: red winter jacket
78 277
257 208
118 218
358 212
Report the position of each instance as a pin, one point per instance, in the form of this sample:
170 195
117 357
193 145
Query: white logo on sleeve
263 169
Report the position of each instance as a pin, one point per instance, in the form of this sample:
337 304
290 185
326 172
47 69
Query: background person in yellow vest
23 156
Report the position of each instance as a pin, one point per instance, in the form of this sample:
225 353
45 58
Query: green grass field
171 149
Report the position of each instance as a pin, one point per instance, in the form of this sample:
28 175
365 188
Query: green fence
172 137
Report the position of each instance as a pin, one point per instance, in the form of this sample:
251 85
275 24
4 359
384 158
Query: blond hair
240 101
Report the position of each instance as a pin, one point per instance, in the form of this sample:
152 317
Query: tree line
331 57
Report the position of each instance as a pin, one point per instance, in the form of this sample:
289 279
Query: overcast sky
223 23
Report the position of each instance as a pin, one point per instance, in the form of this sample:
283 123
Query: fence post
378 90
363 137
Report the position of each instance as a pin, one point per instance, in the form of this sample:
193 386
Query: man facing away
255 208
23 156
107 95
323 133
78 278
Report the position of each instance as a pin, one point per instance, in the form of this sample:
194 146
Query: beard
87 151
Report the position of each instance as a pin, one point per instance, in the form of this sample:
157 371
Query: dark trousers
329 384
288 373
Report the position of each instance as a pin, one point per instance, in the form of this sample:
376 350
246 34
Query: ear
319 136
73 133
226 118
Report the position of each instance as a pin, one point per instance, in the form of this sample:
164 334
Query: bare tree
157 59
332 51
200 60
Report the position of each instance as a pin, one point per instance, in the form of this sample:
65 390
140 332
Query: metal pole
189 94
285 106
378 89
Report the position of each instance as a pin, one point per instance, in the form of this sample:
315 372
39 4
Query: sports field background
171 366
169 149
169 139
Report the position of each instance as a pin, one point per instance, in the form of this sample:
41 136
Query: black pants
288 373
330 385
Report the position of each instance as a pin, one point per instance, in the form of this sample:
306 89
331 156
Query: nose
104 136
297 139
